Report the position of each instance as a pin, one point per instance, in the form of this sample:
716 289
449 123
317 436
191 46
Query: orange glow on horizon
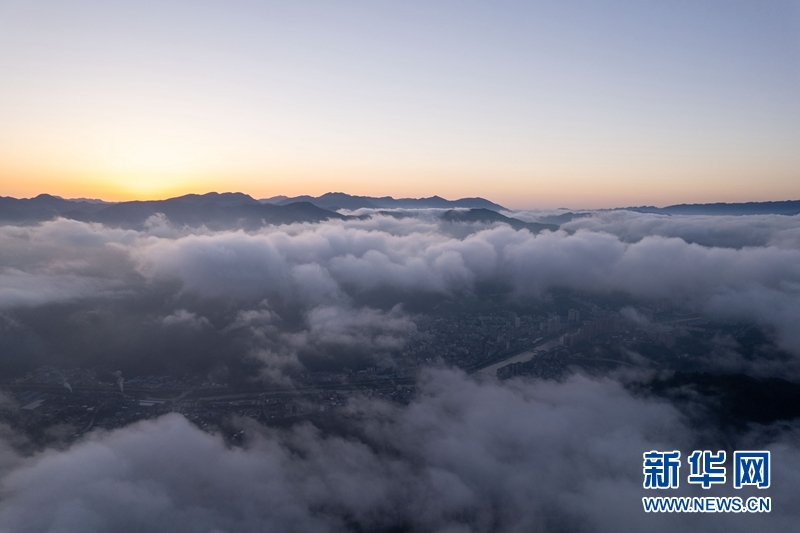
144 102
516 192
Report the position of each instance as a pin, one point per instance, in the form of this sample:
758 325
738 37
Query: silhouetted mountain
89 200
214 210
42 207
787 207
339 200
488 216
216 213
273 199
225 199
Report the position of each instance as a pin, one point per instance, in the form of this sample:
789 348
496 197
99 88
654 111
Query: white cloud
333 263
464 456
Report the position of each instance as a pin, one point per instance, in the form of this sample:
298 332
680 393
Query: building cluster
268 408
39 407
466 340
545 366
556 323
609 323
83 399
78 377
74 413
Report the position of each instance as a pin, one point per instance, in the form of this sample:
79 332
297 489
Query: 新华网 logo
661 469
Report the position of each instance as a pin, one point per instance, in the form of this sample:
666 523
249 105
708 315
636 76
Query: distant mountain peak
227 198
341 200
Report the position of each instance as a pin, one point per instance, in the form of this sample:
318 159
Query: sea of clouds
466 455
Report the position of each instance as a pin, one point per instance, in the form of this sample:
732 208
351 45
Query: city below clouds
273 305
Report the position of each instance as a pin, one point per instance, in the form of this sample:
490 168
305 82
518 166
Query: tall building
554 324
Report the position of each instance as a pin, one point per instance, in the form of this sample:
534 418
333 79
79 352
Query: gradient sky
530 104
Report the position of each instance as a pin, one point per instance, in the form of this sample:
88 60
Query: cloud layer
310 276
465 456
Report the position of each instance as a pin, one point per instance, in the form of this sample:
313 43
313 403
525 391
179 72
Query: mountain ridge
214 210
218 211
339 200
777 207
238 210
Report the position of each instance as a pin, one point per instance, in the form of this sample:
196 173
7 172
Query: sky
529 104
